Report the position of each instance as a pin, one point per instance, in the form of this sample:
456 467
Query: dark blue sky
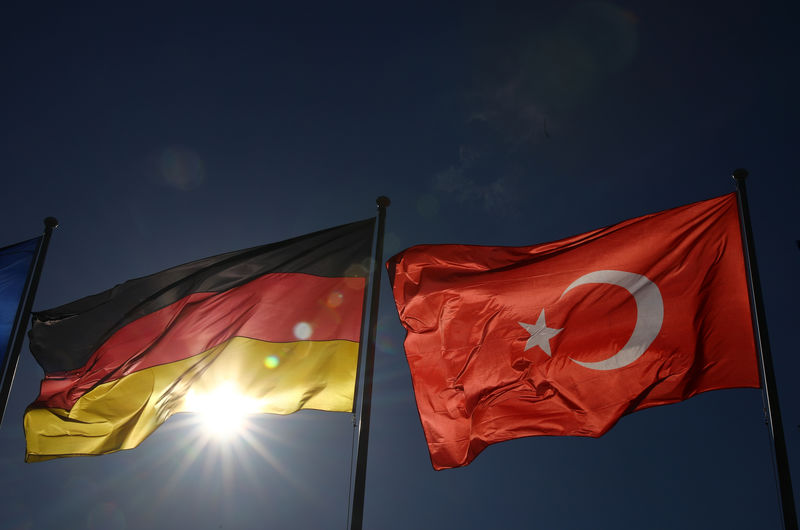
159 134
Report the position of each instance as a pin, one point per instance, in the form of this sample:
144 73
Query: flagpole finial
383 201
50 222
739 174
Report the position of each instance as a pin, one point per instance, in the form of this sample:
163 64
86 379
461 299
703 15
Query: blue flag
15 264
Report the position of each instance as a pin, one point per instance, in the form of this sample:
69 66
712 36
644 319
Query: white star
540 334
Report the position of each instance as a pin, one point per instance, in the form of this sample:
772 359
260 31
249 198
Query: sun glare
222 411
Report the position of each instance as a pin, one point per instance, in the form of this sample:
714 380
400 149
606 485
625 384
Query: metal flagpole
21 321
767 370
357 513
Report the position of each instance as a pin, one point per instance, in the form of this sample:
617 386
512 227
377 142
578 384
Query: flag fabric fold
564 338
279 323
15 265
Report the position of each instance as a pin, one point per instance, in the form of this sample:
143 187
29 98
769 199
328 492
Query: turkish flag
564 338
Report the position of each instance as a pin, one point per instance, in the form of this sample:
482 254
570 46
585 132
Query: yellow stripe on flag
277 378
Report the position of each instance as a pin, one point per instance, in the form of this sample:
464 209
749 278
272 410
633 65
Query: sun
222 411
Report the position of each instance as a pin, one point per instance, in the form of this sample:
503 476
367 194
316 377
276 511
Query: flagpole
767 369
21 321
357 512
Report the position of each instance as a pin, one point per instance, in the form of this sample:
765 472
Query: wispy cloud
546 72
465 184
527 86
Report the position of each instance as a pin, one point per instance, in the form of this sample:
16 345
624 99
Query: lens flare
356 274
335 299
272 361
302 330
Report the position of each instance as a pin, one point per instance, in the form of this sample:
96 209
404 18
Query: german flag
281 322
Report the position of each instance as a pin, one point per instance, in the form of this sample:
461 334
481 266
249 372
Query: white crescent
649 315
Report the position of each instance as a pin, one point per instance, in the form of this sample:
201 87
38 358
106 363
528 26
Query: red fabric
267 308
685 306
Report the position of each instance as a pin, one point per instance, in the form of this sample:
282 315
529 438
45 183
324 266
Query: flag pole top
739 174
50 223
383 201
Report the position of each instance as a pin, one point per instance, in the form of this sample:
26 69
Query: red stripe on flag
281 307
